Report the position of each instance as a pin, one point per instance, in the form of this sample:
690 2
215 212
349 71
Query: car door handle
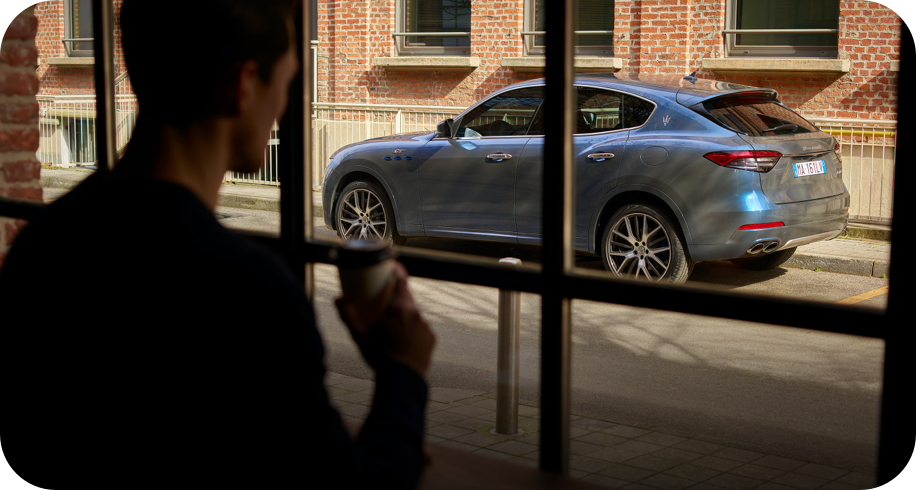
499 156
600 157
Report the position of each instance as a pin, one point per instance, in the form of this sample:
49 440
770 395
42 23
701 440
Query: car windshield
757 117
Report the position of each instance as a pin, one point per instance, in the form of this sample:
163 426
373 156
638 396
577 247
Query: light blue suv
669 171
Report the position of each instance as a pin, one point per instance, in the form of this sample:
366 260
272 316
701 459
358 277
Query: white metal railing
869 151
67 129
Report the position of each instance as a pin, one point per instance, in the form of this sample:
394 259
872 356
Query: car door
467 183
598 145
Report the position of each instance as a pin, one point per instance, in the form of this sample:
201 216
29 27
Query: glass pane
667 400
503 115
787 14
599 110
591 15
758 118
438 16
81 24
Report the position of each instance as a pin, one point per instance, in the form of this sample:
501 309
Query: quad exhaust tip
764 247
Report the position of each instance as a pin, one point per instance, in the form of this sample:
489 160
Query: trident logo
666 120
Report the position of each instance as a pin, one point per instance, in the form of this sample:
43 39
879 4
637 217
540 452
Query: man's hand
400 334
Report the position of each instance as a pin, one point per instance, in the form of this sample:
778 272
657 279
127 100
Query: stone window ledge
779 66
428 63
76 61
583 64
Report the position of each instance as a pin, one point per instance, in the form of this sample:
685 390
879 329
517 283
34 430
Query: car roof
686 90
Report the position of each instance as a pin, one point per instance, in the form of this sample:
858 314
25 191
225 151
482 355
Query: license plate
803 169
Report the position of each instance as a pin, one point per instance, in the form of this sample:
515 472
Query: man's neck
196 157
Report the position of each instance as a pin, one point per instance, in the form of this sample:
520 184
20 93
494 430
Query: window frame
69 34
734 50
400 39
531 49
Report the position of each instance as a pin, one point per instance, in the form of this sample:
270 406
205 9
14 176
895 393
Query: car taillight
839 155
762 226
755 161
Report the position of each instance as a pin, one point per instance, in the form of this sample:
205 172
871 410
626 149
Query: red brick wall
19 169
652 36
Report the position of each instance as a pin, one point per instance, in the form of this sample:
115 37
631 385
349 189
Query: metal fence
67 127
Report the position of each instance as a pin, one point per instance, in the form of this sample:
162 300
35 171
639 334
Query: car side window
636 111
506 114
597 110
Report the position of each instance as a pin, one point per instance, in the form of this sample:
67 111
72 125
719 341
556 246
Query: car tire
646 245
766 262
363 210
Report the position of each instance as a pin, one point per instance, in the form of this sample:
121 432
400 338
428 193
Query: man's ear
244 90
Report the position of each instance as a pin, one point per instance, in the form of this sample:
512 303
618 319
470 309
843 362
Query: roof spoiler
687 97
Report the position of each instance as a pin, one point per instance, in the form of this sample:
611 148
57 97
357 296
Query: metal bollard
510 303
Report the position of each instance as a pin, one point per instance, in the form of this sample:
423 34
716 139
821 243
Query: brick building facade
360 59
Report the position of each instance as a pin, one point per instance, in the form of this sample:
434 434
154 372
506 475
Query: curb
842 265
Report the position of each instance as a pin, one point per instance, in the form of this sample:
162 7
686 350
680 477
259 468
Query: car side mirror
444 129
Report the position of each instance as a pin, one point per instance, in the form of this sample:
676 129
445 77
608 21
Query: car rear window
757 117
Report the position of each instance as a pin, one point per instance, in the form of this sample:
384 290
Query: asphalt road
784 391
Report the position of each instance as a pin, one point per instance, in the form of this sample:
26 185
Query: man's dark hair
184 56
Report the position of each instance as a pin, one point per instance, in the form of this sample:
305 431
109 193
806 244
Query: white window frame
69 34
735 50
531 49
403 49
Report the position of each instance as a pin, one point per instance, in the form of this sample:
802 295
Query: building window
442 27
796 15
594 17
78 25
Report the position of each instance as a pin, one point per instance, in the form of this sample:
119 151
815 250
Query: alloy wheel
361 215
639 246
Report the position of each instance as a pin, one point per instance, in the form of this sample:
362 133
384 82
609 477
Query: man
156 348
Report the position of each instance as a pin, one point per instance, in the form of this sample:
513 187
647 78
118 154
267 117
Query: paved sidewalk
859 256
619 456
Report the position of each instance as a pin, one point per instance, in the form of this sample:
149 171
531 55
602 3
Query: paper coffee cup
366 269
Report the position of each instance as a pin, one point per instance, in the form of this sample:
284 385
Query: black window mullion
103 33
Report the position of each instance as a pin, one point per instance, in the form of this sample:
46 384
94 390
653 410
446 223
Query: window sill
75 61
428 63
779 66
583 64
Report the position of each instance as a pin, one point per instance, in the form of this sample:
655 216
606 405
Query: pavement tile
479 439
531 463
354 397
667 482
716 463
835 485
804 482
493 454
445 417
639 486
578 448
514 448
779 463
526 422
472 423
661 439
758 472
459 445
591 465
578 474
821 471
468 411
652 463
625 431
354 384
446 431
691 472
612 454
605 480
575 432
526 411
704 486
468 401
354 410
628 473
532 438
734 482
638 447
677 455
859 479
432 406
736 454
489 404
334 391
593 424
429 438
696 446
768 485
602 439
